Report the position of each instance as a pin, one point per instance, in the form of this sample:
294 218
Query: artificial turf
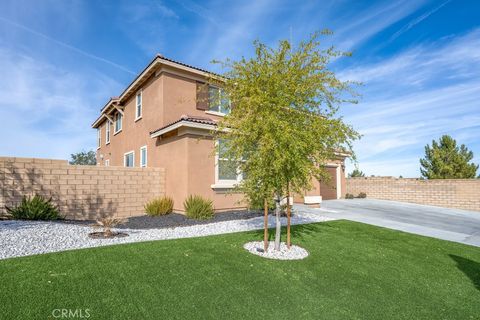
354 271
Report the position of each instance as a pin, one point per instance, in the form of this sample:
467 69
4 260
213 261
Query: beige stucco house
159 121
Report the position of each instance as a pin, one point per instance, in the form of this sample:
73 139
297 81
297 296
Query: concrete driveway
442 223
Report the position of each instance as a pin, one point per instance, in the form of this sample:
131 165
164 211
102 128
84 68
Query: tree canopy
283 126
446 160
83 158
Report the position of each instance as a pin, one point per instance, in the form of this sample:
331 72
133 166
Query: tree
84 158
445 160
283 126
356 173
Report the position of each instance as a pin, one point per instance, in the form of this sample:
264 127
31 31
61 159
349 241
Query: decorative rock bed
294 253
23 238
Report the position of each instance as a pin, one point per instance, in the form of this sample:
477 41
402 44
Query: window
138 109
99 138
107 133
129 159
107 163
118 122
227 169
143 156
218 100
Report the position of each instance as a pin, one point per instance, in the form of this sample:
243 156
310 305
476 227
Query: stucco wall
80 192
452 193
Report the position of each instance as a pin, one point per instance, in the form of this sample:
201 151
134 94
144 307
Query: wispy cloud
47 111
417 20
66 45
414 97
371 20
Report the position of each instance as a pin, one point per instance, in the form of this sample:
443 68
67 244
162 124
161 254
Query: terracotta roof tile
196 119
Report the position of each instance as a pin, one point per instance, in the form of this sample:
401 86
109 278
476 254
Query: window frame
125 159
224 183
99 137
107 132
107 163
139 94
141 157
217 112
116 120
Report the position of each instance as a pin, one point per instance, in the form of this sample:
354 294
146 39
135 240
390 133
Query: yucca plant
107 224
159 206
35 208
197 207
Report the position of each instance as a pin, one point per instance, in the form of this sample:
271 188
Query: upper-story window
118 122
99 137
138 106
218 100
107 132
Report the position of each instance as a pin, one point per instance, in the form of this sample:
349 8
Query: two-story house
162 120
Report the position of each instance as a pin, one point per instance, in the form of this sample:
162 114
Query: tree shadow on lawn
470 268
298 231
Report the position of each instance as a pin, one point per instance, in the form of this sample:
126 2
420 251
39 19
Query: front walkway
442 223
23 238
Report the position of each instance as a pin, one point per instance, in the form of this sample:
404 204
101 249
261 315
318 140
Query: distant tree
445 160
356 173
84 158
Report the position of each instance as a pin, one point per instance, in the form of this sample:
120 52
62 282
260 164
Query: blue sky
419 61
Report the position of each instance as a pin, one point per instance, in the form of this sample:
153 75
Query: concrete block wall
450 193
80 192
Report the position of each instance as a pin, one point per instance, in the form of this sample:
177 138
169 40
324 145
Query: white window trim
222 183
115 131
107 132
133 159
213 112
146 157
107 163
99 138
138 117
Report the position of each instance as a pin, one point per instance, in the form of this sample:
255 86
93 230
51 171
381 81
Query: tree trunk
288 218
278 224
265 222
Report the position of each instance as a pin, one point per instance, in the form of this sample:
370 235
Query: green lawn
354 271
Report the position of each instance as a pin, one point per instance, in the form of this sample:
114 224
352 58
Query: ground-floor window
143 156
129 159
107 163
226 169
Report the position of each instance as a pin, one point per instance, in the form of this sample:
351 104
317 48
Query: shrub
107 224
36 208
349 196
362 195
159 206
197 207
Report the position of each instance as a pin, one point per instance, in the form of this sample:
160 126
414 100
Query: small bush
362 195
36 208
197 207
159 206
349 196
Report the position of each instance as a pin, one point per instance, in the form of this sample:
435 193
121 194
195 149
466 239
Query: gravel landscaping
22 238
294 253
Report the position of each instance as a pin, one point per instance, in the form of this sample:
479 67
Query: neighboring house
164 119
